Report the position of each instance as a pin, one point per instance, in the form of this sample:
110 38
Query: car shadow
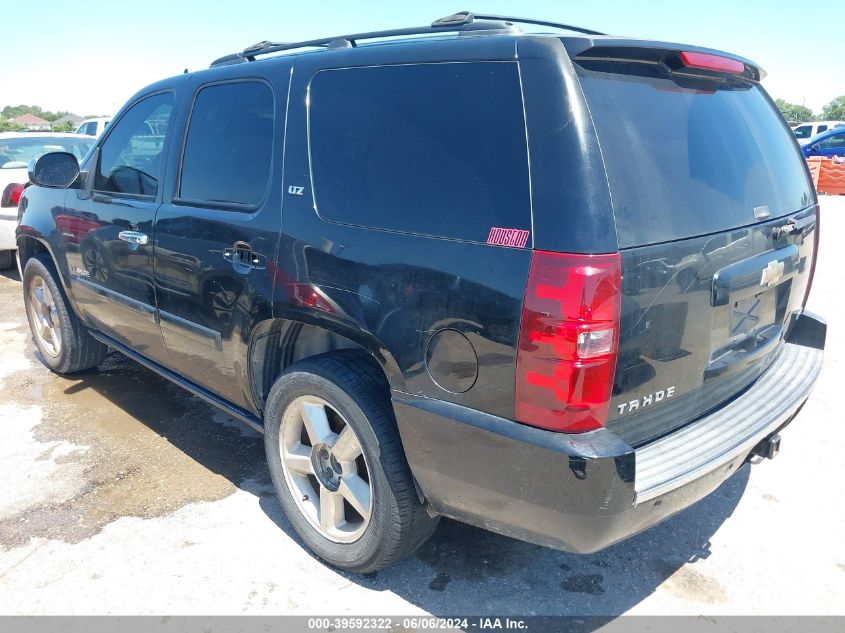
11 273
461 569
467 570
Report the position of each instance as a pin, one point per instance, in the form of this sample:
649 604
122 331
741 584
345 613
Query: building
73 119
31 122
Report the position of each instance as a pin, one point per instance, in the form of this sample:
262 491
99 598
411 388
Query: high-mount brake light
568 341
706 61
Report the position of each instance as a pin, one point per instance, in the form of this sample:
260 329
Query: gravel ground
125 495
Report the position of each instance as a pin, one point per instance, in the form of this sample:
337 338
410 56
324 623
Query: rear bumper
585 492
8 225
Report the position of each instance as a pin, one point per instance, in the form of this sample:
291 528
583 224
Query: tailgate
716 221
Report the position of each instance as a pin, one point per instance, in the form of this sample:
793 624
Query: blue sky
89 56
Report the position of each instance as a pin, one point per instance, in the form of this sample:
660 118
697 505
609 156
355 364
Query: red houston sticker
507 237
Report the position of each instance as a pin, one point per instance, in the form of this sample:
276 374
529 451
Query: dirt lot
123 494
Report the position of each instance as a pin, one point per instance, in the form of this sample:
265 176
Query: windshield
17 152
687 161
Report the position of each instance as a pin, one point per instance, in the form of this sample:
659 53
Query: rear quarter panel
390 291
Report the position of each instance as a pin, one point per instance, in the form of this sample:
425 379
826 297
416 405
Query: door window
803 131
837 141
131 156
229 146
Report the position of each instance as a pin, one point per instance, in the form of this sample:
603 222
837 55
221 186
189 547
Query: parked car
830 143
93 127
16 150
805 131
403 263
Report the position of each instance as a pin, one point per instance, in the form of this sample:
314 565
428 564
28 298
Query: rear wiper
792 226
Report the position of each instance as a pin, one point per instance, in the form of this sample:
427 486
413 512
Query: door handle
133 237
242 254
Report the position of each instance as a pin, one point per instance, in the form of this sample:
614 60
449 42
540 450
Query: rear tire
64 343
347 396
7 259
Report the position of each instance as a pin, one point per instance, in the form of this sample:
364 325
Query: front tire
65 345
338 466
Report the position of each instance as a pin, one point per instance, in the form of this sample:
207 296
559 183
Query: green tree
7 126
835 109
794 112
67 126
12 111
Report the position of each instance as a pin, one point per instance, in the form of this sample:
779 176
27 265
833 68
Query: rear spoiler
677 58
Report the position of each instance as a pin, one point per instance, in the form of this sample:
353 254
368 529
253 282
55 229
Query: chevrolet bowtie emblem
771 274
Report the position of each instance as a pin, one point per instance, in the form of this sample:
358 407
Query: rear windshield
683 162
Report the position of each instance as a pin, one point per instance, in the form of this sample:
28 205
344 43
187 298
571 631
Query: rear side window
683 162
229 146
433 149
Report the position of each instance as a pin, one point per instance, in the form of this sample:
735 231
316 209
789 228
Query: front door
107 227
218 234
833 145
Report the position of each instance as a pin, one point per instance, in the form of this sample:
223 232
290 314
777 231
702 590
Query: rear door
218 231
716 222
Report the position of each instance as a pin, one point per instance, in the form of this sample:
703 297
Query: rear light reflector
716 63
11 195
568 341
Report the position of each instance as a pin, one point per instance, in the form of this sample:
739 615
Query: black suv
549 285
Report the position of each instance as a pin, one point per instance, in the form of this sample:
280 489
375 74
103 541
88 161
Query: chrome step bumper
716 440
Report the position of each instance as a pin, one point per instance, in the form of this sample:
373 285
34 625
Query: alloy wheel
44 317
325 469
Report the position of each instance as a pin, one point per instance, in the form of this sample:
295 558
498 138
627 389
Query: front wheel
66 346
338 466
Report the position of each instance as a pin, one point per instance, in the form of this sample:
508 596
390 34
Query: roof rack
457 22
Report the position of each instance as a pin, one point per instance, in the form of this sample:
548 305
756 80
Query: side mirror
815 148
56 170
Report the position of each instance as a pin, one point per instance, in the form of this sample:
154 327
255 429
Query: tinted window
131 156
436 149
821 128
803 131
837 141
229 146
690 161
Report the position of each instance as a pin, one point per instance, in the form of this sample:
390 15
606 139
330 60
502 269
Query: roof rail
462 21
467 17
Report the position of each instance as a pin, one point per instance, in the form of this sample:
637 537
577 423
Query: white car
803 131
93 127
16 150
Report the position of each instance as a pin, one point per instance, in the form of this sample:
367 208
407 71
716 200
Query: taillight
11 195
568 341
815 256
716 63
